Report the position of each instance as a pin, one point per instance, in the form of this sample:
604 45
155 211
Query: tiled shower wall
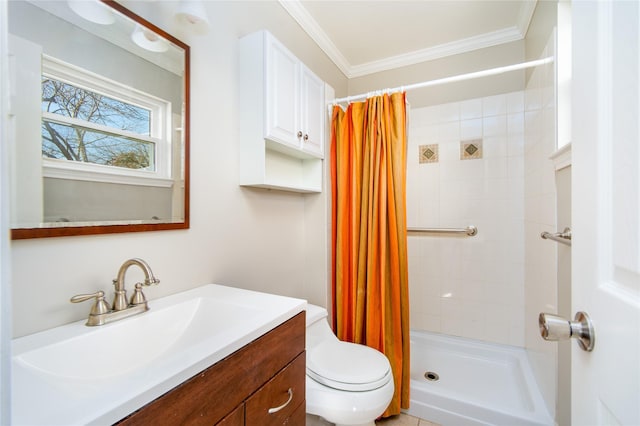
468 286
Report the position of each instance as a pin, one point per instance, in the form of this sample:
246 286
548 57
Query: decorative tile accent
428 153
471 149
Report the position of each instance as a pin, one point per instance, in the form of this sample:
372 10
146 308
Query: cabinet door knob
299 134
306 137
280 407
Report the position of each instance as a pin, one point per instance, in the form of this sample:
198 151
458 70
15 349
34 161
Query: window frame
160 129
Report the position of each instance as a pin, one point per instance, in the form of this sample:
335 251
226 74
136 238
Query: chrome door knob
554 328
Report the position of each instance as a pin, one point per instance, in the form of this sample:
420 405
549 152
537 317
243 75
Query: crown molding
315 31
527 8
437 52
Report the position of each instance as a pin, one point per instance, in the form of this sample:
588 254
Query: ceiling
363 36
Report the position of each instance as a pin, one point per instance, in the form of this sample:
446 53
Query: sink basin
121 347
76 374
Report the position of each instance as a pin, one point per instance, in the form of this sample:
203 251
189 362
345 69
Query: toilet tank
318 328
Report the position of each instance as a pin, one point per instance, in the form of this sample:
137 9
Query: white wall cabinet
282 117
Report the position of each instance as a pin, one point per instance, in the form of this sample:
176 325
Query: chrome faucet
101 313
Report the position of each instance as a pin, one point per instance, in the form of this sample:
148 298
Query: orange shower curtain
369 260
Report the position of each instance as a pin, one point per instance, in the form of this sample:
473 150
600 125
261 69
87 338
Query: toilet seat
348 366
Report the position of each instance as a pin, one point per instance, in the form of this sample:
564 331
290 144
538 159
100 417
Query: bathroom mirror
99 121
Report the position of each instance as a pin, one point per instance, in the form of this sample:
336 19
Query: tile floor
404 420
401 420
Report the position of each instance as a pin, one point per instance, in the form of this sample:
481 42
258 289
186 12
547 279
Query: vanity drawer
299 417
275 393
235 418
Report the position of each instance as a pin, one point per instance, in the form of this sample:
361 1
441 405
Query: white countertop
91 390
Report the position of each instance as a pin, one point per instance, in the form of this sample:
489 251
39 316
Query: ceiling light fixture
93 10
192 14
149 40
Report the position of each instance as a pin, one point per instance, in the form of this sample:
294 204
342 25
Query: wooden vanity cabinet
240 389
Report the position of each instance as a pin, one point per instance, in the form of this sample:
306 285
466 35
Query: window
99 127
73 140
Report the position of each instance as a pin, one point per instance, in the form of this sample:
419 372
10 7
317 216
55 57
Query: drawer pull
276 409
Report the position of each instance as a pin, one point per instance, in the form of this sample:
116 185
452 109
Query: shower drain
431 376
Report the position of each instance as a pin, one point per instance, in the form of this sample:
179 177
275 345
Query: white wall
468 286
243 237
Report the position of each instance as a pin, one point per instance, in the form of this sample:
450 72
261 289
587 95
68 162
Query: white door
606 210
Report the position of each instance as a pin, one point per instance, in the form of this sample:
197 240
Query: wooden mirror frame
43 232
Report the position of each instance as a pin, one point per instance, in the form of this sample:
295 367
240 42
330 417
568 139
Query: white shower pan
463 382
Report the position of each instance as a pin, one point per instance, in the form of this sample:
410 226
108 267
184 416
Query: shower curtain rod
453 79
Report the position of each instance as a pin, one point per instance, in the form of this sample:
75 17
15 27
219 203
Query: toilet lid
348 366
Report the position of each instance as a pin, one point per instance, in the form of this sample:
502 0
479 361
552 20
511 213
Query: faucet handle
100 307
138 296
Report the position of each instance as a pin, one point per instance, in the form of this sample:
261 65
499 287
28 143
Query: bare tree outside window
73 138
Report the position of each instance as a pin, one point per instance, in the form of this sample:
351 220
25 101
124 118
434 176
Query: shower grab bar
563 237
469 230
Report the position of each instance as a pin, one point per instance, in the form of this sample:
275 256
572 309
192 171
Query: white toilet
347 383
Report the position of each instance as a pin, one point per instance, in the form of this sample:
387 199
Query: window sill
94 173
